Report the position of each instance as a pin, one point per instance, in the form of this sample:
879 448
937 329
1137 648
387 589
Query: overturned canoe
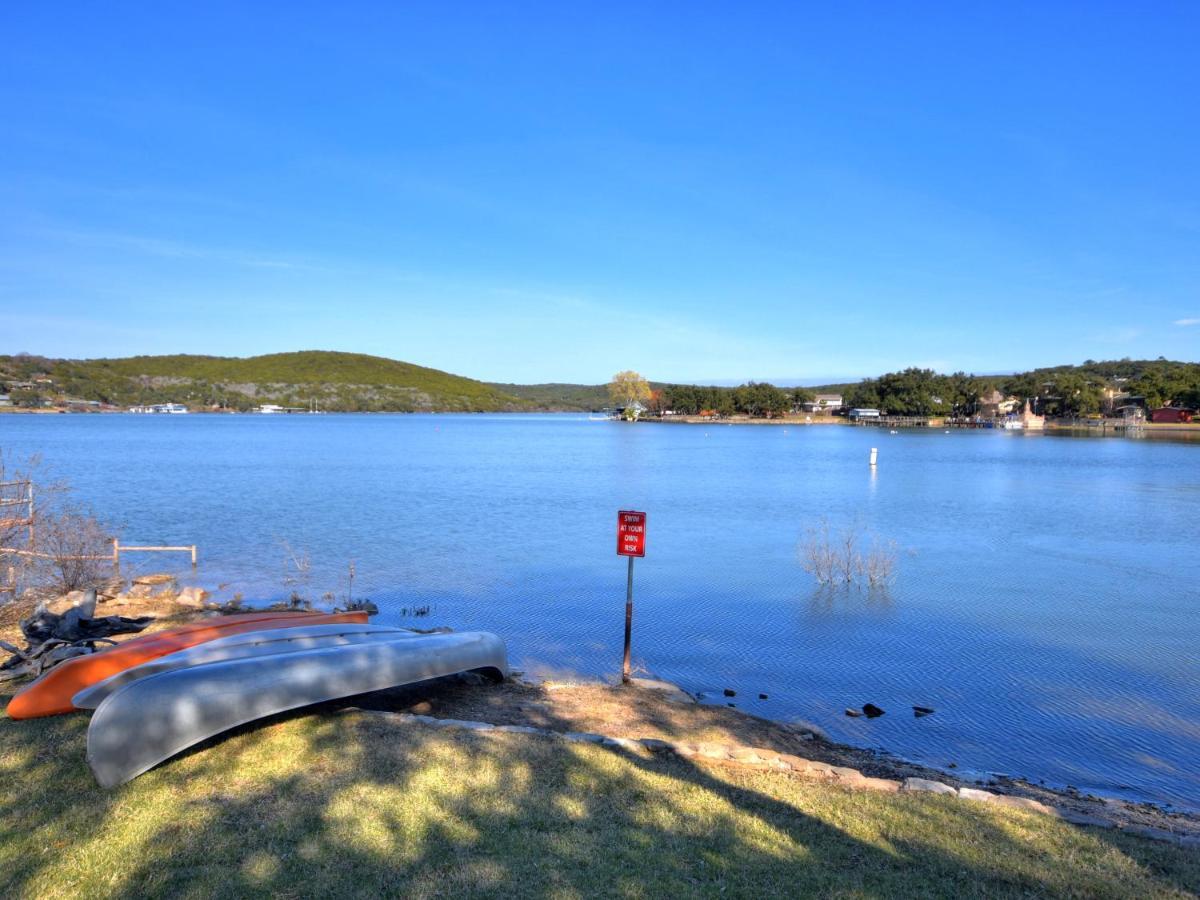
239 646
150 720
51 694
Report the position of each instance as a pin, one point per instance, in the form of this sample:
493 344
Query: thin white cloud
1185 323
168 248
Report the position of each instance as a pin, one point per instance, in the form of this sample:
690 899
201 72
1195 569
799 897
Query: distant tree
761 400
27 397
627 389
799 396
864 395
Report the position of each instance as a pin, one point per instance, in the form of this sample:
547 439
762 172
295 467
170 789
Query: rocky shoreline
661 717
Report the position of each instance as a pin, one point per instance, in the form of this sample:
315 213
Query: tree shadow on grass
337 802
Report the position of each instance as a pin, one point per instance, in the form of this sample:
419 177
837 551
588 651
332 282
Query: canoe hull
152 719
238 646
51 694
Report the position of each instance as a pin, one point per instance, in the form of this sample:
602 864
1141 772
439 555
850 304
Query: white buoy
874 454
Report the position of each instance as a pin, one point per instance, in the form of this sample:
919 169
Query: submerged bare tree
853 558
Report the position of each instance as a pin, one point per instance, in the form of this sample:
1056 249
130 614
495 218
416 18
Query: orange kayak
51 694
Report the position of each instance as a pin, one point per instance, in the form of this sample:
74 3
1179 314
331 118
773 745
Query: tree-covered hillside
558 396
334 381
1082 390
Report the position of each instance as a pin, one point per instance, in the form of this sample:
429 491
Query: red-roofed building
1172 414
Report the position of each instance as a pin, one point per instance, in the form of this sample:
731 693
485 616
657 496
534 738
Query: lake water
1045 603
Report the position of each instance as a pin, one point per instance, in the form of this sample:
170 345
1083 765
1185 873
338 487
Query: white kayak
236 646
151 719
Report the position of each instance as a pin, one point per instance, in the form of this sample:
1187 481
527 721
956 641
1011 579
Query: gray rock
796 763
61 605
745 755
924 785
583 737
1025 803
883 785
655 744
967 793
1079 818
192 596
627 744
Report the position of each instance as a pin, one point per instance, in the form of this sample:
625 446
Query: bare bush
852 558
77 550
297 570
58 546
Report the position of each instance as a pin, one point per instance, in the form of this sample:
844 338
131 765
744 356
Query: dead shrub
853 558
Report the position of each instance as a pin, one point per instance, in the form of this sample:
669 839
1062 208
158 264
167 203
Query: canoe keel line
148 720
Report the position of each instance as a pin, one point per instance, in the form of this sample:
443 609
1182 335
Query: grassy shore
344 802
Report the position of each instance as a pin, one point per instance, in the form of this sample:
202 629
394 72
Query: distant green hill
345 382
558 396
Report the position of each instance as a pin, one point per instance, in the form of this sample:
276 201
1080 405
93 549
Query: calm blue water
1046 601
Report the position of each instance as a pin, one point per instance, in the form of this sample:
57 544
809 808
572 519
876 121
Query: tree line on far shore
1081 390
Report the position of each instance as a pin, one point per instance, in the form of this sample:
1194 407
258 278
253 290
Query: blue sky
527 192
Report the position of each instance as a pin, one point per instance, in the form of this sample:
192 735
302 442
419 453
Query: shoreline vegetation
441 787
326 381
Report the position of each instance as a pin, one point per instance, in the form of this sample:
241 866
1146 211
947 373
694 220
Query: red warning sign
631 533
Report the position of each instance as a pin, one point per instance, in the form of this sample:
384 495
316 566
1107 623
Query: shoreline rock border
762 759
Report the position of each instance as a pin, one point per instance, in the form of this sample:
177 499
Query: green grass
356 804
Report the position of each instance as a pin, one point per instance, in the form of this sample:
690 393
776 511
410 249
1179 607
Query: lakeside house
1115 401
160 408
6 400
823 403
1173 415
864 413
995 405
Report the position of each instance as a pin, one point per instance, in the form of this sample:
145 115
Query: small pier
895 421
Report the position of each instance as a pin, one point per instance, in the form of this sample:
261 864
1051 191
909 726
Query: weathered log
53 637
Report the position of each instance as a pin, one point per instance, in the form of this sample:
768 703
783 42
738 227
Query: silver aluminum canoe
236 646
151 719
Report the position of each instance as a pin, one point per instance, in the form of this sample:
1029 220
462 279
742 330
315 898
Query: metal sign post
631 542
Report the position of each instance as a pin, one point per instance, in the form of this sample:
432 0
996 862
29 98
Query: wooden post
30 486
116 556
193 556
628 623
